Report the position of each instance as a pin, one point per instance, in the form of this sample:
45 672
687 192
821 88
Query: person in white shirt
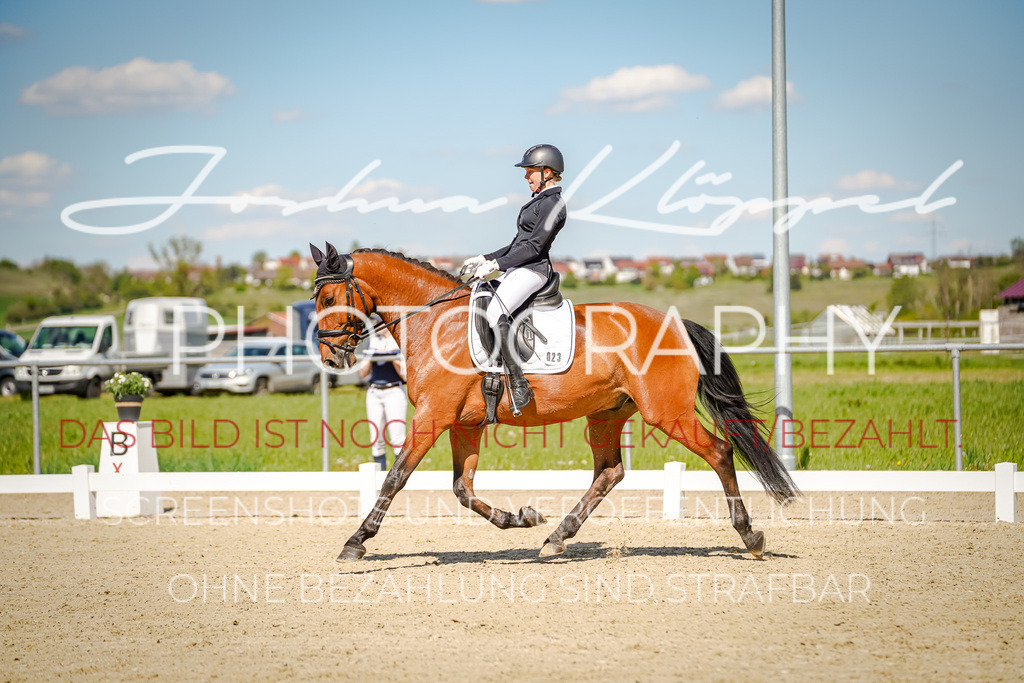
383 367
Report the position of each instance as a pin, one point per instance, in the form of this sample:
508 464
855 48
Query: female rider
526 261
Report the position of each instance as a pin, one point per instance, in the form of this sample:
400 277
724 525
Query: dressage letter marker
128 450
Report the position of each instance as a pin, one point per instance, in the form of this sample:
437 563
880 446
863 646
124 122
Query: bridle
353 326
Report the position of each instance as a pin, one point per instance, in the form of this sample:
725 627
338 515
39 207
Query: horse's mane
408 259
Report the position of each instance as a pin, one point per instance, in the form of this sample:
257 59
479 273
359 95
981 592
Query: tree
908 294
259 257
1017 251
176 260
962 292
569 281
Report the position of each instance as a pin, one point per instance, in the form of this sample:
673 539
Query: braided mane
408 259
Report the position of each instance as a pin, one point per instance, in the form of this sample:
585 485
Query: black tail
722 396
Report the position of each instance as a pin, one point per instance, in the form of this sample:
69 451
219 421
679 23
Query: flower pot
129 407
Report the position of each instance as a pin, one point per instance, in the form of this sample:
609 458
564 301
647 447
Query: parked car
11 348
263 376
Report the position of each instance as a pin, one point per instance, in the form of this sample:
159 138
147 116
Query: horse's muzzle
340 361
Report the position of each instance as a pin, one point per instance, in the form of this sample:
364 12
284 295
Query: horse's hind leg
604 430
718 453
465 441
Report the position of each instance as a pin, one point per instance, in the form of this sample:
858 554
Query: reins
353 327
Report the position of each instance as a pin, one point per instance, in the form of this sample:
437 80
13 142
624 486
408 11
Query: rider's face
535 177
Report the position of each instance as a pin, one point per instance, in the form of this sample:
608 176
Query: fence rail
673 481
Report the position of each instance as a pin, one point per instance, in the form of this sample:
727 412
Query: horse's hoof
755 543
351 553
531 517
552 548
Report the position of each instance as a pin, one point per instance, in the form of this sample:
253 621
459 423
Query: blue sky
884 97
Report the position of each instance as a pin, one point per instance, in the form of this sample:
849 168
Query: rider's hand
470 265
486 268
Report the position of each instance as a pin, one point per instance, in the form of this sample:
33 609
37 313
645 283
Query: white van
154 326
70 338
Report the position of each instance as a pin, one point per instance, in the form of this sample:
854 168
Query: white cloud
9 33
754 94
835 245
26 198
31 169
26 179
867 179
136 86
285 116
633 89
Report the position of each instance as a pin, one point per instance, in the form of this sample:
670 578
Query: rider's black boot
520 390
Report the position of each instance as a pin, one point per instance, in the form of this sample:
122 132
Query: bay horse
649 363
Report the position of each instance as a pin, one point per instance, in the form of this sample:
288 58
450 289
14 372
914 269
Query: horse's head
342 308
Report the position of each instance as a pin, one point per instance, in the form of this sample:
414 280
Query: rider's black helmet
543 156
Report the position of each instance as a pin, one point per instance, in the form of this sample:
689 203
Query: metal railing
954 349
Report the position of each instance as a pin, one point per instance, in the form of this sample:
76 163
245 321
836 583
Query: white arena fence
1004 481
673 481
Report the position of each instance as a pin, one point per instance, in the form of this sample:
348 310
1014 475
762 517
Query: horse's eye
329 301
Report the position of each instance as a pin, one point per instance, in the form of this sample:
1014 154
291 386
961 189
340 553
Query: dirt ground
246 586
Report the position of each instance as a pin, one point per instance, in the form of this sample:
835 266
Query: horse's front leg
417 442
465 440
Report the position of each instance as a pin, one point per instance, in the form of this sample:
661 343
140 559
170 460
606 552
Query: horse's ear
331 251
317 255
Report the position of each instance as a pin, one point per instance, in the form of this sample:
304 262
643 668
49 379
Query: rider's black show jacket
540 219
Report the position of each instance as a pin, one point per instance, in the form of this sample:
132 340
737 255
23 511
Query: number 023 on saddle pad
544 330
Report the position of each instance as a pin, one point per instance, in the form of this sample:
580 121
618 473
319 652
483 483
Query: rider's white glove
470 265
486 268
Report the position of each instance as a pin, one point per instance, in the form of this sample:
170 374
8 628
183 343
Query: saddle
544 338
525 333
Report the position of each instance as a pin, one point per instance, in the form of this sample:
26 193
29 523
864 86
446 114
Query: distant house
274 322
628 269
598 269
565 264
961 261
706 270
1014 296
798 264
301 269
747 264
718 261
907 265
664 263
840 267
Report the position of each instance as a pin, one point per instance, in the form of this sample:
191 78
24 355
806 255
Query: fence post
672 506
958 448
325 454
37 467
85 500
367 486
1006 496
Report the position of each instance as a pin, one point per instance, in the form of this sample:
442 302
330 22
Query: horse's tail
722 396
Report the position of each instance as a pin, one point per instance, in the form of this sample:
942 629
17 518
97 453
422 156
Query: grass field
848 420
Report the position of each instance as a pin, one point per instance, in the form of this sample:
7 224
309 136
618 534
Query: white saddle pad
558 326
